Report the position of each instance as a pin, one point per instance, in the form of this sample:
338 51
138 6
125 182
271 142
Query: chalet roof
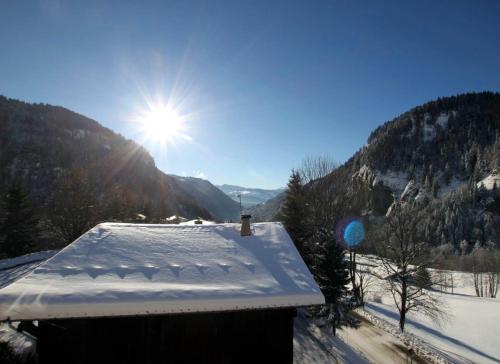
139 269
197 222
176 218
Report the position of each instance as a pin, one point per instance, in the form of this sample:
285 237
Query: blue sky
261 84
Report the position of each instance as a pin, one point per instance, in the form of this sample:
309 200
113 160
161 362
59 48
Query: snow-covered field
471 334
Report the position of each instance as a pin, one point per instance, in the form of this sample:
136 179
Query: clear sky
259 84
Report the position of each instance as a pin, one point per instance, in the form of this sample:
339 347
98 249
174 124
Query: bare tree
364 281
353 268
315 168
402 253
484 264
324 202
476 263
493 281
492 270
444 280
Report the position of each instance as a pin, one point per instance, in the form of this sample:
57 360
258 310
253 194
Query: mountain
434 149
435 154
41 145
267 211
220 205
249 196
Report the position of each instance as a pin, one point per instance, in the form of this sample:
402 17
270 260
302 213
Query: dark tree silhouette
331 273
75 209
294 214
19 225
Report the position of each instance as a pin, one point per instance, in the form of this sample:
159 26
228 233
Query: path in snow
377 345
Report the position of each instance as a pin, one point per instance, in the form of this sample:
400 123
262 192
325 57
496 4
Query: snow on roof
197 222
176 218
25 259
139 269
12 269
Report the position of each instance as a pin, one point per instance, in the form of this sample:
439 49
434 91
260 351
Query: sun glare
162 123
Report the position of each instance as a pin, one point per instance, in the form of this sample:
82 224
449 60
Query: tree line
76 207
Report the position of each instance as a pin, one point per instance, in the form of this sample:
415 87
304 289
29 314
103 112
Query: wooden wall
261 336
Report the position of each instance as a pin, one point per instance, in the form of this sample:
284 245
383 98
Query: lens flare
350 231
354 233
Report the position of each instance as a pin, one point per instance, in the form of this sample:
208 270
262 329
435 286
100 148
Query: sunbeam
162 123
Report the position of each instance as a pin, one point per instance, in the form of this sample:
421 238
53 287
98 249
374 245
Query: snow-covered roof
197 222
11 269
176 218
139 269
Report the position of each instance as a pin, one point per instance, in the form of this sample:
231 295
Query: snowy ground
365 343
471 333
312 344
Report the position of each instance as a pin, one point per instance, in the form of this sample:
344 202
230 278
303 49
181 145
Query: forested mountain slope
216 201
41 145
267 211
437 155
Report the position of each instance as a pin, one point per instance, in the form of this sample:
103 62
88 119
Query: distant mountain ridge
216 201
267 211
249 196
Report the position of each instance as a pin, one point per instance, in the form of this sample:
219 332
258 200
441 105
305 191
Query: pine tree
147 210
435 188
294 213
19 225
447 175
428 183
331 272
423 277
118 207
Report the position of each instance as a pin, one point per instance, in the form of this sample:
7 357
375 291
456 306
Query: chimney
245 225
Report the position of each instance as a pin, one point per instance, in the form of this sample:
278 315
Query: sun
162 123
